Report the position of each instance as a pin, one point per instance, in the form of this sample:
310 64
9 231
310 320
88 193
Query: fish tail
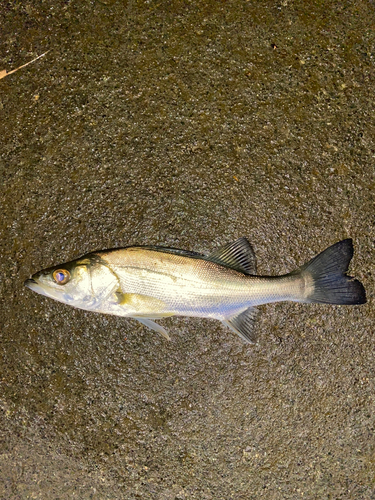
326 280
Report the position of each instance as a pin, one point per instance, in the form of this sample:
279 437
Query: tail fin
326 274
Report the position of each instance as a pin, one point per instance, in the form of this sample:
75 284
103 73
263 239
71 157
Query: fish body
147 283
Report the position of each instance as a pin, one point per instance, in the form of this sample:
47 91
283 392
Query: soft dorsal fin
238 255
243 325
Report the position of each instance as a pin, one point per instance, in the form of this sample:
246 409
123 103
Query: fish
151 282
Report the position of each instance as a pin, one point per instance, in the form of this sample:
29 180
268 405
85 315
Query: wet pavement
186 124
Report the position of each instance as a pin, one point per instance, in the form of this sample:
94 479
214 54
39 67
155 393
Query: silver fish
147 283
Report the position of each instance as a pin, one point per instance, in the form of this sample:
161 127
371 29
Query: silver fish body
147 283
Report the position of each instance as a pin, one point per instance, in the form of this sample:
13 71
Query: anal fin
243 324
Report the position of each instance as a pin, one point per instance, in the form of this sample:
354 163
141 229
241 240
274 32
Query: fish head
68 283
78 283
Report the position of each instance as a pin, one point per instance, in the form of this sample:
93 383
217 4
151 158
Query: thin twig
4 72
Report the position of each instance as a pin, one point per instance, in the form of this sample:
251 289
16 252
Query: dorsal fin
238 255
175 251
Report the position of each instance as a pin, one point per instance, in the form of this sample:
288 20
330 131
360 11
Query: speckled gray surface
187 124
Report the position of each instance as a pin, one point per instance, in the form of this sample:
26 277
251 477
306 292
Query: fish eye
61 276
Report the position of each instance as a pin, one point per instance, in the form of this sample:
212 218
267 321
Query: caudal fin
326 277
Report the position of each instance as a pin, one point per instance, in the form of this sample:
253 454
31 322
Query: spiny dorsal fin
238 255
175 251
243 325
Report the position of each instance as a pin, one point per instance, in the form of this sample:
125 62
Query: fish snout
30 283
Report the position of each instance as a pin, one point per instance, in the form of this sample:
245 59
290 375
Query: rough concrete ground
187 124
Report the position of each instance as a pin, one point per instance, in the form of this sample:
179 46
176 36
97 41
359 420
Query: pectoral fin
142 305
243 325
154 326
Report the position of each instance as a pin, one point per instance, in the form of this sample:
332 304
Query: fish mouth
30 283
35 286
47 290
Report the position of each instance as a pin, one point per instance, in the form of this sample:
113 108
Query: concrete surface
188 124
